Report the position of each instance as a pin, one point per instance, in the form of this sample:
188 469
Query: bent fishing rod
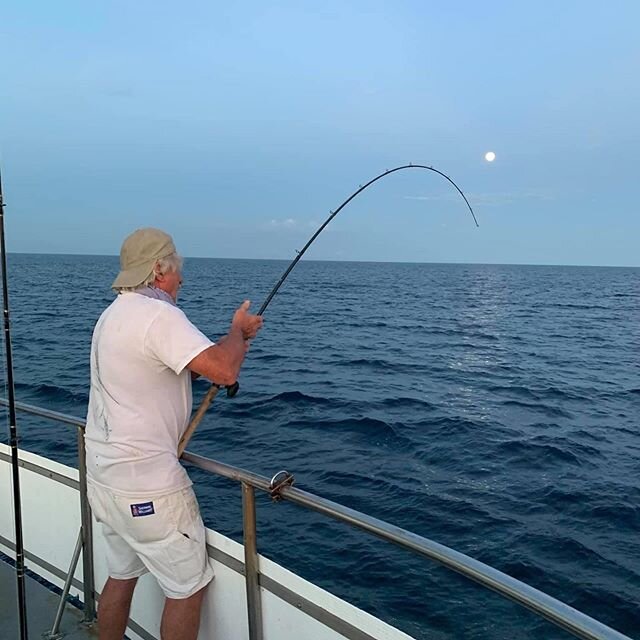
13 434
232 390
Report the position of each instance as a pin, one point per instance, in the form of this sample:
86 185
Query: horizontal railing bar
548 607
226 470
46 413
554 610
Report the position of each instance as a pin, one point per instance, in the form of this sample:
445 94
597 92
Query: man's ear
159 277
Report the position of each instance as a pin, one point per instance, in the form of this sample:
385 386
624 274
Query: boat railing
280 487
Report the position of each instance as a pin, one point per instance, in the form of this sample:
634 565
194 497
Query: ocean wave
535 454
538 407
49 393
578 305
373 363
268 357
406 404
368 324
536 393
625 515
296 398
449 425
282 404
370 428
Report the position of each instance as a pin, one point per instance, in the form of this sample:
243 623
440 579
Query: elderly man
143 354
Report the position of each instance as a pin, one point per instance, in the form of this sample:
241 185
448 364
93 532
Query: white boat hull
292 608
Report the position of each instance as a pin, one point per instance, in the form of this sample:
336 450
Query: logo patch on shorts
142 509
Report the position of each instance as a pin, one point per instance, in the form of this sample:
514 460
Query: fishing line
232 390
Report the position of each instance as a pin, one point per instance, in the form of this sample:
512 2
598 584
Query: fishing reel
232 389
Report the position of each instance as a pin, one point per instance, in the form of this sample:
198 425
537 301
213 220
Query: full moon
489 156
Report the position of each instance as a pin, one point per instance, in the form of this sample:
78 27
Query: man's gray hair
171 263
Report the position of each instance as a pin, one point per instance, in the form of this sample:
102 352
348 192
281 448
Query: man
143 354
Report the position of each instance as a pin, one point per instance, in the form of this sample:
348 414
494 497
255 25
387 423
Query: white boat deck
42 605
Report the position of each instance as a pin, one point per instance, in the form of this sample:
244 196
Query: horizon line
503 264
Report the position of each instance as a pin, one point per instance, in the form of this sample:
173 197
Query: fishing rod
232 390
13 434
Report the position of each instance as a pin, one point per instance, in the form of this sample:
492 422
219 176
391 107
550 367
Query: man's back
140 399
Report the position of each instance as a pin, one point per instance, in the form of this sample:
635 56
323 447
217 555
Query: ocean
491 408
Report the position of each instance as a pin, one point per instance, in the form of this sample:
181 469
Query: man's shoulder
147 311
168 316
144 304
130 309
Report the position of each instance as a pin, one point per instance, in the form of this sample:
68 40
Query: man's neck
156 293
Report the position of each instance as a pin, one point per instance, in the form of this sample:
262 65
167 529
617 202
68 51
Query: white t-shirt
140 399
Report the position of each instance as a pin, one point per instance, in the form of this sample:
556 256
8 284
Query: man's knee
124 582
195 599
120 588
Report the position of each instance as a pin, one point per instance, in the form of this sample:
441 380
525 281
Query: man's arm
221 363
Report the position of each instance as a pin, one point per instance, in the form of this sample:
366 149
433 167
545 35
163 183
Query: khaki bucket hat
139 254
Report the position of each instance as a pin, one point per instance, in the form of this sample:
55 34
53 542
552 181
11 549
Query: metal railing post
87 535
55 634
254 603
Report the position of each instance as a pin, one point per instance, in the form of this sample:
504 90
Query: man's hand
245 322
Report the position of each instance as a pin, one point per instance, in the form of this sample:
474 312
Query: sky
238 127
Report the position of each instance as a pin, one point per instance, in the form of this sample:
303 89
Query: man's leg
181 618
113 608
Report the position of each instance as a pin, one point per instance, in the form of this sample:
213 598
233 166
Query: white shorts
163 535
